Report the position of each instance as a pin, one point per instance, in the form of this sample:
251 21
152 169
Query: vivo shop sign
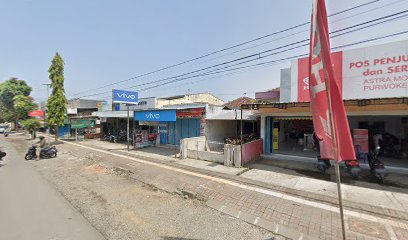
122 96
156 116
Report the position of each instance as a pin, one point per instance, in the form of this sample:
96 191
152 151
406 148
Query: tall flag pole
326 101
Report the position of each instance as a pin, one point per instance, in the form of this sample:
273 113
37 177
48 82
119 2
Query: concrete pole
128 127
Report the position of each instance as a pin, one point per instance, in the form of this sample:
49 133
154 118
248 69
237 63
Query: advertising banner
360 137
156 116
122 96
303 74
36 113
373 72
82 123
376 72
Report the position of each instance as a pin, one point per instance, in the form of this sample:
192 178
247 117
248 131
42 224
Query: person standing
41 145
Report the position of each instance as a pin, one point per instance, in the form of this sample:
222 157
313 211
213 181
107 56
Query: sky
104 42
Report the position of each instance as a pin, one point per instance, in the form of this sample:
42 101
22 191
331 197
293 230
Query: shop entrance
291 136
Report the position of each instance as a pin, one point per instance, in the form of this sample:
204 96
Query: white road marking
323 206
391 232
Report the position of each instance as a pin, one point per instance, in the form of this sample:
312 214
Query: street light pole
47 85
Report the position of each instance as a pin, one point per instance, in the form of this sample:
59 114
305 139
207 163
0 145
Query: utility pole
47 85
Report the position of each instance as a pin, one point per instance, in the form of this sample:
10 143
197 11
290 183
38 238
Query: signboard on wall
190 113
122 96
373 72
376 72
82 123
156 116
303 75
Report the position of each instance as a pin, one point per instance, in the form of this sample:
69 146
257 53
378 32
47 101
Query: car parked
3 128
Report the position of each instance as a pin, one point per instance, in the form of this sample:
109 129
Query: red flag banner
326 101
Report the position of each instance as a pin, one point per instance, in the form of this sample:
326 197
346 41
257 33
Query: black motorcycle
323 164
47 152
2 155
376 166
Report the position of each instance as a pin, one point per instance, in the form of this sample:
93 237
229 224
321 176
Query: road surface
30 208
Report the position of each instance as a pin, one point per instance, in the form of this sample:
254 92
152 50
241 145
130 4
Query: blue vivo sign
156 116
121 96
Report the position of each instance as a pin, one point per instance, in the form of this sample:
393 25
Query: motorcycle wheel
321 168
53 155
28 157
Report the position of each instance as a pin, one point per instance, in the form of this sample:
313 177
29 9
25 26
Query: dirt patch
96 168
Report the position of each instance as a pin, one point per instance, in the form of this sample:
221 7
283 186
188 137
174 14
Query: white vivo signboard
373 72
376 72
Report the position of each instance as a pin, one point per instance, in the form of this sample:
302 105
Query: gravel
123 208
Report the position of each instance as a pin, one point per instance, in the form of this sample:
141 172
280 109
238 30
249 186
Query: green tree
31 126
56 104
23 105
8 90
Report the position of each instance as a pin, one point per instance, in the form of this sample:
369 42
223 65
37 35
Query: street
31 208
119 207
128 197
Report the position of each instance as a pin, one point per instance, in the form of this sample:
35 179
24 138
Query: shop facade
374 84
287 128
173 123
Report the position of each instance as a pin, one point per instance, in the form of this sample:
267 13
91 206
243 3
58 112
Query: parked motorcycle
323 164
47 152
376 166
353 168
2 154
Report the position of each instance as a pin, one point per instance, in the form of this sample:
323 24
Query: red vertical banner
329 115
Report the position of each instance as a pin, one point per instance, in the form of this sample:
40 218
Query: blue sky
107 41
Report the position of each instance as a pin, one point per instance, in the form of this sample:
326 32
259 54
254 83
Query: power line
225 49
343 46
259 55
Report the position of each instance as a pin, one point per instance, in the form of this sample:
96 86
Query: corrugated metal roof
185 106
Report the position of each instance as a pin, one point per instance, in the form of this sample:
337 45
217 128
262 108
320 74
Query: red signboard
361 139
303 75
190 113
36 113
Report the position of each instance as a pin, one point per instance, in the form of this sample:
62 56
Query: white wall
216 130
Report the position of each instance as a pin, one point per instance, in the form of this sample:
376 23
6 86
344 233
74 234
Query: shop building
173 123
374 82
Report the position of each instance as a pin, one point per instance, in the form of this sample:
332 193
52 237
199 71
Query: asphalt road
30 208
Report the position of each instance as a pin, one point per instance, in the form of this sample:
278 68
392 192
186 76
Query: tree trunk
16 124
56 133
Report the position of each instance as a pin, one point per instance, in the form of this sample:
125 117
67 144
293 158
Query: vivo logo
153 116
124 95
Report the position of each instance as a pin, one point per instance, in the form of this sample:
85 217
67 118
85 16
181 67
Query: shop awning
113 114
292 118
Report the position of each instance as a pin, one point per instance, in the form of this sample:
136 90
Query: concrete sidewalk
372 198
164 154
382 198
291 216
